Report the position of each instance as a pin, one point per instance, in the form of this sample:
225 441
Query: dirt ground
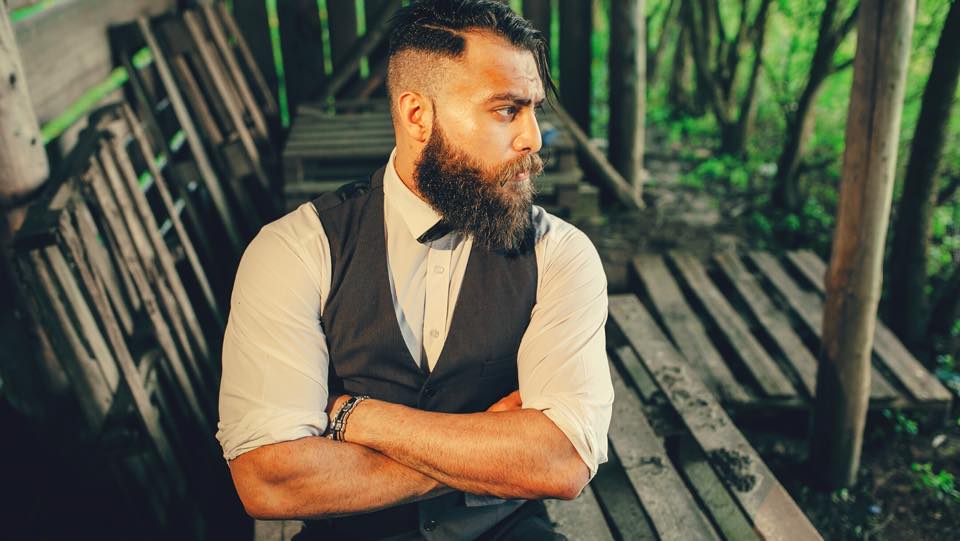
889 501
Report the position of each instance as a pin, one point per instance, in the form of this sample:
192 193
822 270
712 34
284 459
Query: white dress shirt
275 358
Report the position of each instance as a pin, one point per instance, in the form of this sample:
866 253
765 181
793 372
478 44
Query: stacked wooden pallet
751 326
678 468
128 257
327 148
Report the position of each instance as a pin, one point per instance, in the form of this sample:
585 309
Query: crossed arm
394 454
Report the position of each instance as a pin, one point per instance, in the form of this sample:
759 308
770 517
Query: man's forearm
314 477
509 454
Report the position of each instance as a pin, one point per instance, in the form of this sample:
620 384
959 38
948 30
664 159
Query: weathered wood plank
639 375
810 309
773 514
886 344
579 519
764 369
207 174
237 77
685 328
772 319
710 489
666 500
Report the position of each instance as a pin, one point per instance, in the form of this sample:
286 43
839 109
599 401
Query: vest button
429 392
429 525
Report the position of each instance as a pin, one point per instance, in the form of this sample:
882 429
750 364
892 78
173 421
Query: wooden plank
886 344
685 328
207 173
666 500
764 369
710 489
774 323
768 506
342 28
637 373
114 219
92 392
146 412
238 80
226 93
619 502
810 309
101 266
580 518
136 130
258 70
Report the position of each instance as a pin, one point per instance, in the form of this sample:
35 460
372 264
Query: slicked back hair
437 27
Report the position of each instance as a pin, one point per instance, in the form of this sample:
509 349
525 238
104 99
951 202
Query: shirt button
438 269
429 525
429 392
434 333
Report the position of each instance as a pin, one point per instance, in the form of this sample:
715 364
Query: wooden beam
853 280
301 38
376 31
23 160
598 161
628 103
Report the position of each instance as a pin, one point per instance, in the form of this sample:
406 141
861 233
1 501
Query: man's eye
507 112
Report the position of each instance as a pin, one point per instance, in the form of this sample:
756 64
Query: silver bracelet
339 423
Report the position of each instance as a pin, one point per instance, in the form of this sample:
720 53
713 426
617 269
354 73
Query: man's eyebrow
515 98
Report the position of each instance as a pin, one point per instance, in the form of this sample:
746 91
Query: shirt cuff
259 428
581 434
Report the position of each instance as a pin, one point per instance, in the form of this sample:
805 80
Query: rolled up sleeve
275 360
562 362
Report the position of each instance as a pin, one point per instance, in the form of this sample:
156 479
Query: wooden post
252 22
302 42
853 280
576 23
628 103
23 160
23 170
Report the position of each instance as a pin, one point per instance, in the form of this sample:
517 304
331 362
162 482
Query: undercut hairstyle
437 28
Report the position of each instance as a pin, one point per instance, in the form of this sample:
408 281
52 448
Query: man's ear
415 114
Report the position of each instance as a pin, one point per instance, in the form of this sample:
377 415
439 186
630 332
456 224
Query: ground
889 500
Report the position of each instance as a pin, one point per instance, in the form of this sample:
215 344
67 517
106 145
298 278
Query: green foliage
901 423
943 483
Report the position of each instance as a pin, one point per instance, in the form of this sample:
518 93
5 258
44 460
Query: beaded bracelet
339 423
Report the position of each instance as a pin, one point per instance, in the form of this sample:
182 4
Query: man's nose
528 141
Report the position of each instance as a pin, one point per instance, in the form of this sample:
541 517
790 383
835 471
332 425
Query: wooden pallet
104 284
751 325
325 150
678 468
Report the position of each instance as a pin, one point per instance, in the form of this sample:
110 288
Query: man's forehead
493 67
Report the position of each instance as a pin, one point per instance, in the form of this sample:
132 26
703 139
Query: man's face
478 166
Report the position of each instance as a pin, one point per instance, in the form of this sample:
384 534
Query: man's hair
437 27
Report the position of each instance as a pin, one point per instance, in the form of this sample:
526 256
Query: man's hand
510 402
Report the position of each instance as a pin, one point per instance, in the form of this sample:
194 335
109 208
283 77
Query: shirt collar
415 212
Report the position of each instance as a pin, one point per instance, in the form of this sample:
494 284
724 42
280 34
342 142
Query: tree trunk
576 25
946 308
538 13
855 271
627 90
786 193
911 236
681 76
655 53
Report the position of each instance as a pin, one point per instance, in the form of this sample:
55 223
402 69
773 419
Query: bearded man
443 333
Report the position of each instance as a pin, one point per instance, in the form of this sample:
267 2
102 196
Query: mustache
531 163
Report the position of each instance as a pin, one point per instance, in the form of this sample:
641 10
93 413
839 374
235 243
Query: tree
855 271
718 65
628 102
800 121
908 302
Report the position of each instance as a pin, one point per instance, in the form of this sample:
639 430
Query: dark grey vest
477 365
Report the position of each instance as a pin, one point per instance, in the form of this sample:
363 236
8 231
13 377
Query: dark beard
491 206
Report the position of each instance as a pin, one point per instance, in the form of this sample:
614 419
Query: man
472 319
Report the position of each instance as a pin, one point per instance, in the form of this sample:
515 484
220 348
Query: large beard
492 206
